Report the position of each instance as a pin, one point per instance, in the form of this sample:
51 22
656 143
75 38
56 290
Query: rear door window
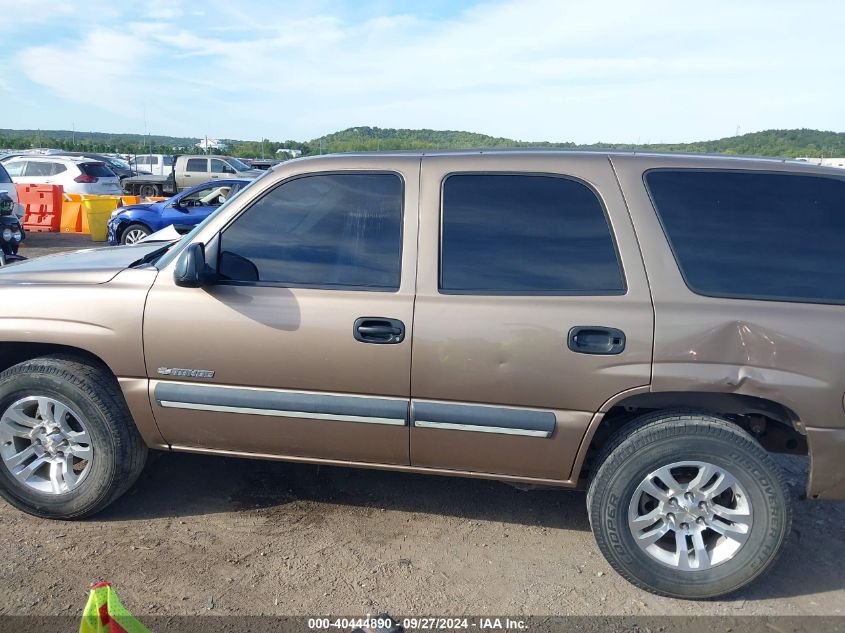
755 235
197 164
521 234
37 168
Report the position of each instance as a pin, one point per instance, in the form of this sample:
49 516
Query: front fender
103 319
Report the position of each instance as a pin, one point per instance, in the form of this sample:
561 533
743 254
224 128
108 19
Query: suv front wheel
688 505
68 445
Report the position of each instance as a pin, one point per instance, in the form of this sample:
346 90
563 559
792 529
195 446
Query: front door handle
379 330
596 339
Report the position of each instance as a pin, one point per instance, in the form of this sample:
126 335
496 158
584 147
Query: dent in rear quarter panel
790 353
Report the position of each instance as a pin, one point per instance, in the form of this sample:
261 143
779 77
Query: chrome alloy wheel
44 444
133 236
690 515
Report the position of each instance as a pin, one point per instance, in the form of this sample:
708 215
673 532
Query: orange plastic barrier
127 200
74 217
155 198
43 204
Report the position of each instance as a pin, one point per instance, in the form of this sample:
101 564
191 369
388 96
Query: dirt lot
208 535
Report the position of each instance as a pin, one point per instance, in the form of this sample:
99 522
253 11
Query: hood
89 266
251 173
136 207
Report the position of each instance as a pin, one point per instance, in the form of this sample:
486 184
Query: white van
155 164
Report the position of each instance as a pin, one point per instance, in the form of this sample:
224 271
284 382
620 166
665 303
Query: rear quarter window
755 235
4 176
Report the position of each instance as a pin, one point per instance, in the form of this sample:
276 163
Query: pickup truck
188 171
650 328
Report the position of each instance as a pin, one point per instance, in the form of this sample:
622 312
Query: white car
75 174
8 187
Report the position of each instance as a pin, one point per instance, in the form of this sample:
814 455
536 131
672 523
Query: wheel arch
134 390
127 222
777 427
12 353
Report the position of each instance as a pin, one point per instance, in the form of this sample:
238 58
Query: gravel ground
211 535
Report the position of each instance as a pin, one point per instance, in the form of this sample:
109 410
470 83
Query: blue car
184 210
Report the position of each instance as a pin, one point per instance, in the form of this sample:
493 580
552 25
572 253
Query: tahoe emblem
188 373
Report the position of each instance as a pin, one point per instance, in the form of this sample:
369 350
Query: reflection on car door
512 262
275 359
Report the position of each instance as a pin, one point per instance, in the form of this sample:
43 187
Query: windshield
174 249
118 162
234 162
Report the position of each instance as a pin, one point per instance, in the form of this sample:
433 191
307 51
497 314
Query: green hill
784 143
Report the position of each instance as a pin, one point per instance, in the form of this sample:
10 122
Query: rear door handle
596 339
379 330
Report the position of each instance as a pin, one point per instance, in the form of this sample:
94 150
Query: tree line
782 143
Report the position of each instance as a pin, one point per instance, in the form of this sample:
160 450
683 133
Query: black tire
149 191
119 452
133 229
657 440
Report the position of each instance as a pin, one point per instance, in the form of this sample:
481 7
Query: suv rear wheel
688 505
68 446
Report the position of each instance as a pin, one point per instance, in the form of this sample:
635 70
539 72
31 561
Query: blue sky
585 71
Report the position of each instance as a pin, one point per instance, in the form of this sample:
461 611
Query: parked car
75 174
120 167
154 164
8 187
185 210
188 171
261 163
648 327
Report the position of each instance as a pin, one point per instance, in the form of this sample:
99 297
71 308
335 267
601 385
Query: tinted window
332 230
755 235
4 176
38 169
58 168
197 164
515 234
168 160
219 167
98 170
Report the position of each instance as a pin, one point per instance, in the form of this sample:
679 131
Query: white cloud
541 69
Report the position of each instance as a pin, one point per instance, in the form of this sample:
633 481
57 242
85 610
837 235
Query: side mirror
191 269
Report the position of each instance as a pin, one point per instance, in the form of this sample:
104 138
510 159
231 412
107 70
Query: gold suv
650 327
